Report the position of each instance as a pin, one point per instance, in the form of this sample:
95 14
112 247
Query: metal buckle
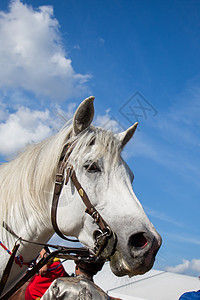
95 216
60 180
105 242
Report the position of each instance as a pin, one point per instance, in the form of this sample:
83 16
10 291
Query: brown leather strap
7 269
57 191
28 275
90 209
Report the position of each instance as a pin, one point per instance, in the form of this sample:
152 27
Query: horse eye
92 168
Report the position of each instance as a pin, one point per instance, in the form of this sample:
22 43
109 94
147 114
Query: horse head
96 157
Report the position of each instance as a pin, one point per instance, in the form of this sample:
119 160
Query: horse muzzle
138 257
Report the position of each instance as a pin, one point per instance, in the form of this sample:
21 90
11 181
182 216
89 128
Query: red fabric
39 284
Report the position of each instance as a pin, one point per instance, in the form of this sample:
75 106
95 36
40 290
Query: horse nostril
137 241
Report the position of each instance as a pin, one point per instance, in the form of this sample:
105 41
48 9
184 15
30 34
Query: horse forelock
27 181
105 143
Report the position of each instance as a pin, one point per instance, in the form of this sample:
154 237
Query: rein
77 254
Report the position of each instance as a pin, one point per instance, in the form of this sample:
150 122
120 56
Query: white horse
27 185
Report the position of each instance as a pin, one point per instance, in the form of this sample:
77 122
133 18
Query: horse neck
26 185
28 228
25 221
25 198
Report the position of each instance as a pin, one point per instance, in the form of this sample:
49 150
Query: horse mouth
122 265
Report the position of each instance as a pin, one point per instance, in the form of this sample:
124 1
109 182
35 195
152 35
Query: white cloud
66 115
26 126
32 55
4 113
187 267
108 122
23 127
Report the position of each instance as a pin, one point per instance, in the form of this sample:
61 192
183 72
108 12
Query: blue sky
140 59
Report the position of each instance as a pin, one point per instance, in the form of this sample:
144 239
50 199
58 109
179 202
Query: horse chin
120 267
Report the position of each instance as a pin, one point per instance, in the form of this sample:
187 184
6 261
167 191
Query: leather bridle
104 237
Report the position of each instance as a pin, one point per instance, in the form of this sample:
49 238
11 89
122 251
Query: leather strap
90 209
31 242
79 254
57 191
28 275
7 269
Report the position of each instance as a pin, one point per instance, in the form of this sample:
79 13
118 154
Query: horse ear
84 115
126 135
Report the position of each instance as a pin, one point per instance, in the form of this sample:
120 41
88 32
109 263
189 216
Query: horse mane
27 181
